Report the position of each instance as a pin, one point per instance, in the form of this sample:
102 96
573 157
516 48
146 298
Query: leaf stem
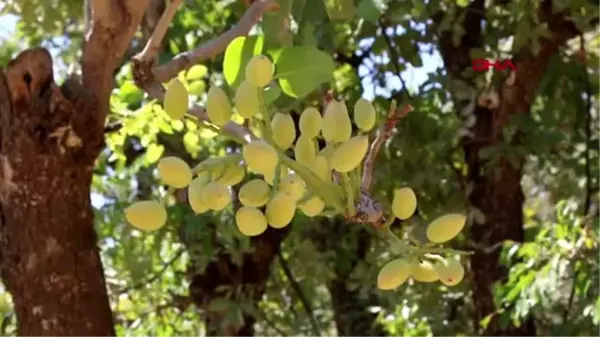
213 162
349 191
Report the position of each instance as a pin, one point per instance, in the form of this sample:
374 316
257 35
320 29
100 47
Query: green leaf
462 3
271 94
301 69
154 152
237 55
341 10
368 11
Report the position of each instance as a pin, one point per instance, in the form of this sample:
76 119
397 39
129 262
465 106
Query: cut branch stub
368 211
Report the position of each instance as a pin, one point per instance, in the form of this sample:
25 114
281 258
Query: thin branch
215 46
150 78
269 323
588 170
394 57
298 290
154 43
383 134
154 277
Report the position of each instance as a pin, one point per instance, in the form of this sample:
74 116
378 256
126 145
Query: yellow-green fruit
254 193
328 151
231 175
174 172
260 156
176 100
246 99
321 168
146 215
216 196
284 131
280 210
424 271
259 71
349 155
305 150
250 221
393 274
195 194
404 203
293 185
312 207
336 127
310 122
446 227
450 272
218 107
364 114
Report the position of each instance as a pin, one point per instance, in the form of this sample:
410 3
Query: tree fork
50 261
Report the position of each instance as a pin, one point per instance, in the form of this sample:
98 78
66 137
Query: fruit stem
215 129
213 162
400 247
349 194
276 179
266 122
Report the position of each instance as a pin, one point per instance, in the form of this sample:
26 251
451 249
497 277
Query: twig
155 276
298 290
459 175
394 57
384 133
215 46
588 170
153 45
269 322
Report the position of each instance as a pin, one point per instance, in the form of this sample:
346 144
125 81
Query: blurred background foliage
323 276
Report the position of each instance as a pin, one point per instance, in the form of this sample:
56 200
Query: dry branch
384 133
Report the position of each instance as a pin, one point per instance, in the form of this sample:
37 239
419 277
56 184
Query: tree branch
112 27
154 277
149 78
217 45
154 43
384 133
305 303
394 57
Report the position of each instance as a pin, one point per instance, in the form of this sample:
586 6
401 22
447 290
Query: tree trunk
50 262
496 195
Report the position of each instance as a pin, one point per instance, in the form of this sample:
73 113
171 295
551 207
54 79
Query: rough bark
497 192
50 138
50 261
